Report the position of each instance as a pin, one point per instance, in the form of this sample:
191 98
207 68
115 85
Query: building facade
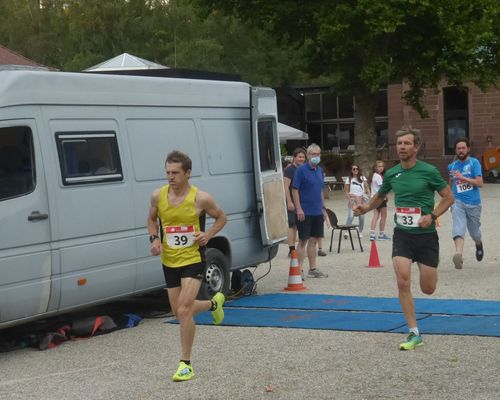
452 113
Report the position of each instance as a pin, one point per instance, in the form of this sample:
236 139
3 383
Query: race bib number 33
179 236
408 216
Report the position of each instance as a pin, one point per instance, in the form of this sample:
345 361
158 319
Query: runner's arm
152 222
447 200
374 202
206 203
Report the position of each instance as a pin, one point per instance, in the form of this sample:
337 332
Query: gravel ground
277 363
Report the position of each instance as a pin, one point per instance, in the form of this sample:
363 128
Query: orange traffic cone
374 262
294 278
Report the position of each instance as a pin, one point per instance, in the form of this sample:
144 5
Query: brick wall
484 122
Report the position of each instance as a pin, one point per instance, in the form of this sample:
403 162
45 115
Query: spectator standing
308 183
380 212
356 187
299 157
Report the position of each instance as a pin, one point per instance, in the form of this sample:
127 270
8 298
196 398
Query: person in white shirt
355 187
381 211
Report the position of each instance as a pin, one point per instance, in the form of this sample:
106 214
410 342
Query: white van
80 155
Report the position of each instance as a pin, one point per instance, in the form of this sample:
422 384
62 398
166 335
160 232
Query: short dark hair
462 139
177 156
299 150
417 138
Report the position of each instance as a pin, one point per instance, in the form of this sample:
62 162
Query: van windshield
17 176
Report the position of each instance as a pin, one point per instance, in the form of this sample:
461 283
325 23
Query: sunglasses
355 169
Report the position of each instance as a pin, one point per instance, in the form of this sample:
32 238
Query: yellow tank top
178 225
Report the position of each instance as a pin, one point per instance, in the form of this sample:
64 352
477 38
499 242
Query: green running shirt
414 194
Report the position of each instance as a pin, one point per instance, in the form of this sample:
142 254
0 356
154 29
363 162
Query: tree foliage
360 45
75 34
357 46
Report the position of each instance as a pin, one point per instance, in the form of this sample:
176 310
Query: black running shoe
479 251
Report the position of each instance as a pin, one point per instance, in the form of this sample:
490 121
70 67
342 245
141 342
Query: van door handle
36 216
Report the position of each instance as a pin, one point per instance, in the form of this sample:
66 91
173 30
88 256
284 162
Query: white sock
414 331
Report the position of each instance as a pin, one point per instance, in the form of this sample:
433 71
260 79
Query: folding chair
334 222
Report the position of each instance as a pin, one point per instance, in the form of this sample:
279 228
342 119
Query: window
88 157
266 146
346 108
382 109
456 112
329 106
313 107
314 132
17 171
346 135
382 134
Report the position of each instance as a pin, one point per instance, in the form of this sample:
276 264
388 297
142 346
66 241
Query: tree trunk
365 135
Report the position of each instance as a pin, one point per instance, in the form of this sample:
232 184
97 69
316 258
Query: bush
337 165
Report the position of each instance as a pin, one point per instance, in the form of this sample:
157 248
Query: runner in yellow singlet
180 239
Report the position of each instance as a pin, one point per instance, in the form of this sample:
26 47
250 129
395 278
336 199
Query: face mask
315 160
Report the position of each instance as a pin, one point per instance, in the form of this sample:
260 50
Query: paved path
275 363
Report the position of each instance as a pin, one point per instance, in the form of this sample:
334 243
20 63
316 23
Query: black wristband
434 217
152 238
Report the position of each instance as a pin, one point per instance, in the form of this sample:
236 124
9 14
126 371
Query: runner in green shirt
415 238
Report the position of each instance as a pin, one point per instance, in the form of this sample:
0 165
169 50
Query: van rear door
25 232
267 167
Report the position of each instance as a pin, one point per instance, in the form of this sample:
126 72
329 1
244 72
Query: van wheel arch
216 277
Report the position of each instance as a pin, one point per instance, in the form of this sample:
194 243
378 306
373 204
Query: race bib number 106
463 186
408 216
179 236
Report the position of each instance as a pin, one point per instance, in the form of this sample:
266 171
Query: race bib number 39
179 236
408 216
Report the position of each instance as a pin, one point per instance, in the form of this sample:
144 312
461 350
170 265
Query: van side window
88 157
266 146
17 172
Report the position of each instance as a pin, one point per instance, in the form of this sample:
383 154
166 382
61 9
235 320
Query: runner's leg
402 268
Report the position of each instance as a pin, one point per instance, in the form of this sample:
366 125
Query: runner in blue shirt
466 178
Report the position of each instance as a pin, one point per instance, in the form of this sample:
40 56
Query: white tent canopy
123 62
286 132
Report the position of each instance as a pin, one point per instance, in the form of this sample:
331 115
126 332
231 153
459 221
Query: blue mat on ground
301 301
351 313
310 319
458 325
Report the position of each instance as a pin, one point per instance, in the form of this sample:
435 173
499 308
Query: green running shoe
411 342
218 312
183 373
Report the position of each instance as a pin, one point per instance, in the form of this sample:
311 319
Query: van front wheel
216 278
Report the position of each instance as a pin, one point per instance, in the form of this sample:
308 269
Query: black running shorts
421 248
173 276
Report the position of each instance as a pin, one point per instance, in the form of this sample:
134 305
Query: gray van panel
93 253
40 87
227 144
93 246
148 161
103 283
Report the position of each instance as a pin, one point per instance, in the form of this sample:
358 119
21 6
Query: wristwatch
434 217
152 238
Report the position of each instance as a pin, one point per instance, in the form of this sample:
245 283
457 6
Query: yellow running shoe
183 373
411 342
218 312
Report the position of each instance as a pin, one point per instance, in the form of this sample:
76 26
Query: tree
360 45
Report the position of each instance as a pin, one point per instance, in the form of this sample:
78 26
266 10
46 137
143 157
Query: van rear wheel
216 278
